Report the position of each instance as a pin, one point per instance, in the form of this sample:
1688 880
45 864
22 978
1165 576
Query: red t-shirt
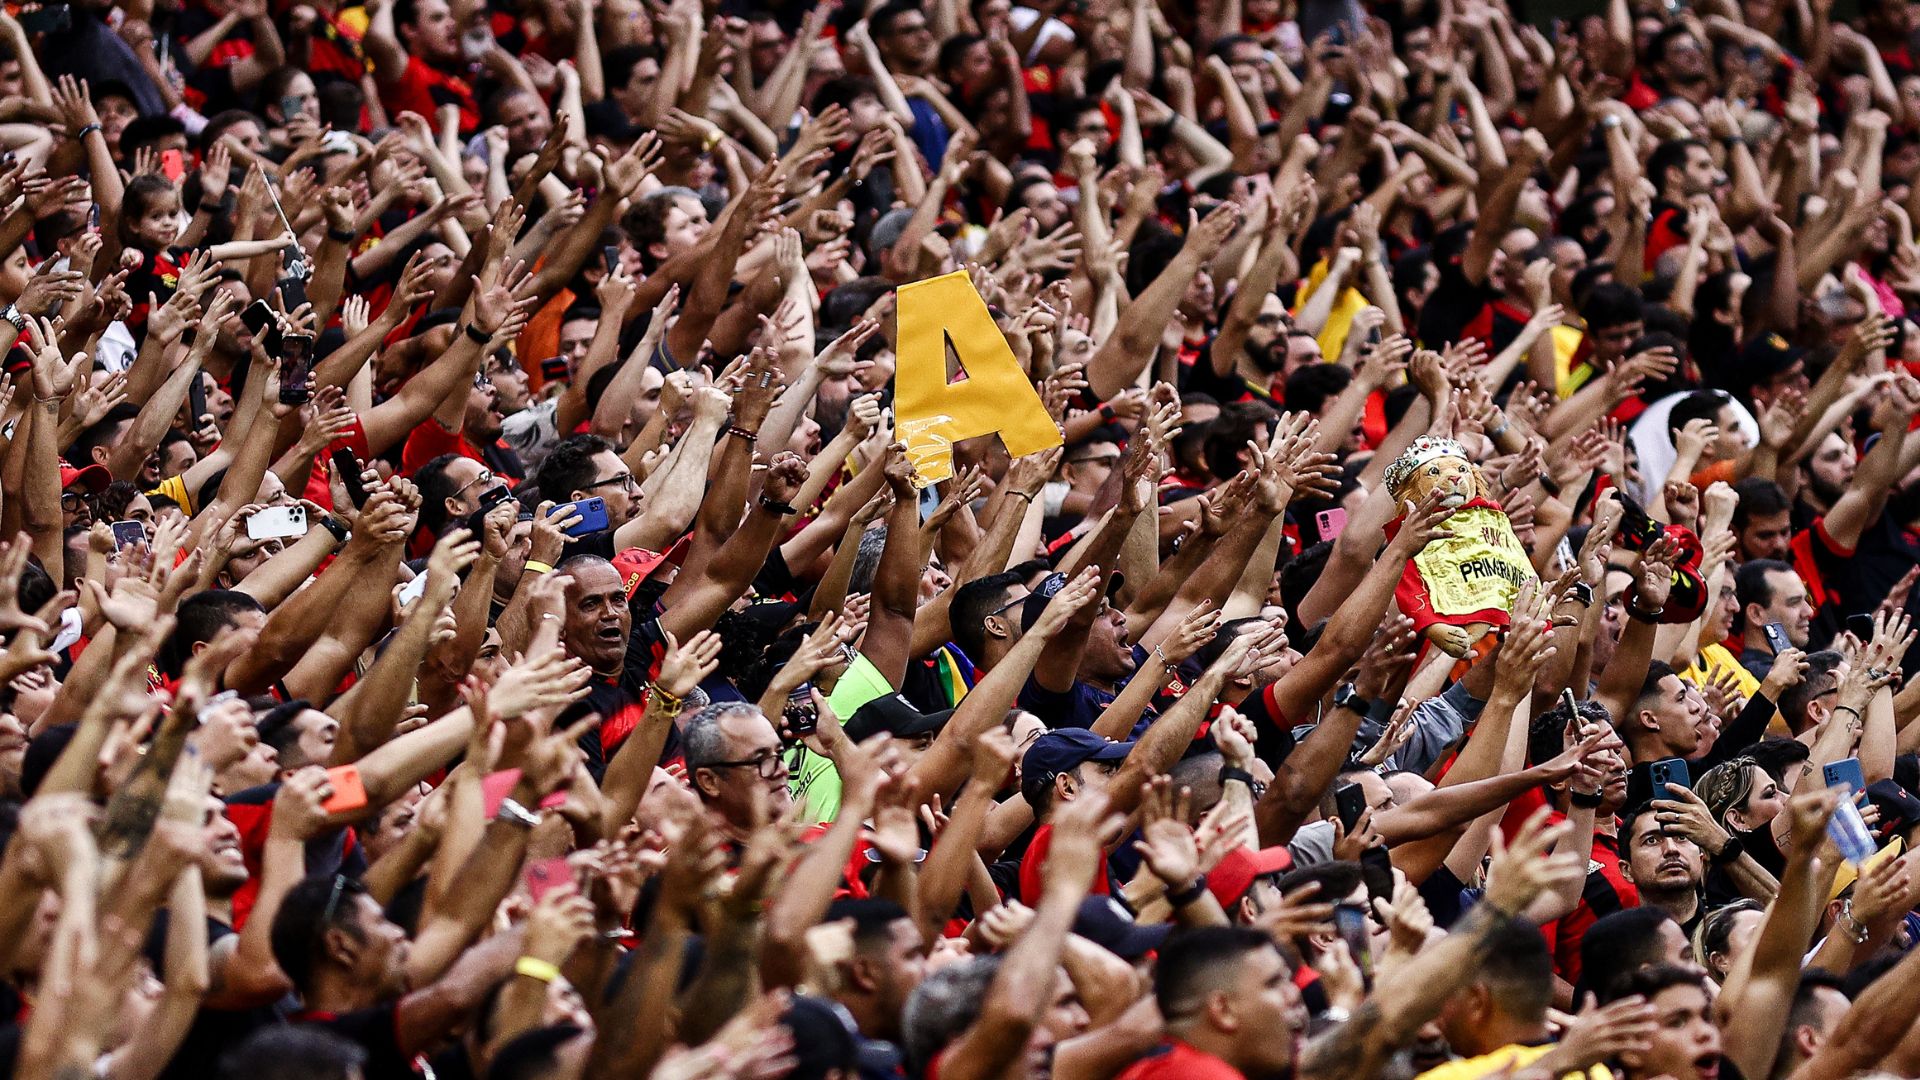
1176 1060
1032 883
423 88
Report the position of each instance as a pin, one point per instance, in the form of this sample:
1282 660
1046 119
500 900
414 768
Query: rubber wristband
86 131
535 968
479 336
1190 893
344 236
539 567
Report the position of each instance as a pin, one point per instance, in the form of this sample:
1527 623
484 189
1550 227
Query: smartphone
413 590
554 369
490 498
1354 928
277 523
257 317
593 515
47 20
349 469
1350 801
291 106
1861 627
800 716
259 321
1376 869
1777 638
296 364
349 792
1331 522
128 533
610 255
173 165
545 874
1666 771
1847 773
1568 703
196 399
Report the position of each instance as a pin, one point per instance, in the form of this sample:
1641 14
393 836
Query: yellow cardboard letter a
995 397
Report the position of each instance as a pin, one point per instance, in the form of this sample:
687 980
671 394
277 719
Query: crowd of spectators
468 608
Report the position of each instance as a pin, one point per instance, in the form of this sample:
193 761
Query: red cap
91 477
1230 880
637 564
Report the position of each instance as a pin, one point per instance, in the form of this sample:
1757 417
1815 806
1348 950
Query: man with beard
476 437
1825 477
1248 356
1667 867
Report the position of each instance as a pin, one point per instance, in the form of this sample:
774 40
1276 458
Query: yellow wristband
539 567
535 968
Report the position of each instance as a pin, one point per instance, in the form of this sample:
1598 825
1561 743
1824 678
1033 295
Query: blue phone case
1847 772
593 515
1668 771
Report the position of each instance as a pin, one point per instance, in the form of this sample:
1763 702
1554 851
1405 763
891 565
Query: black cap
1105 923
1036 601
1767 356
894 714
824 1042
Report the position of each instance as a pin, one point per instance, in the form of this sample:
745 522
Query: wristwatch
1583 593
1855 930
15 316
1733 849
1346 697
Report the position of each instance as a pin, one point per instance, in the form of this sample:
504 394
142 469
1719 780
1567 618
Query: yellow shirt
1507 1057
1333 336
1715 659
175 488
1566 342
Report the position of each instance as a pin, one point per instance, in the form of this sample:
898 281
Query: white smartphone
278 523
413 590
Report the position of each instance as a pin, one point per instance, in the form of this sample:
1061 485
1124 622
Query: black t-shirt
620 702
377 1030
214 1031
1199 377
1455 302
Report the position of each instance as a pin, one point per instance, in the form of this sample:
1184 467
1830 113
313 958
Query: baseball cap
91 476
1036 601
1105 923
894 714
1063 749
1850 873
1768 355
1235 874
637 564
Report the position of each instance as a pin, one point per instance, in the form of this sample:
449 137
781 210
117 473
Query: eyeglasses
768 763
624 479
485 477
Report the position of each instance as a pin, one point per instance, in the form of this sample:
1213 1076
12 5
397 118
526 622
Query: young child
149 223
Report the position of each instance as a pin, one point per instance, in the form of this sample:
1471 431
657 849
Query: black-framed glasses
768 763
624 479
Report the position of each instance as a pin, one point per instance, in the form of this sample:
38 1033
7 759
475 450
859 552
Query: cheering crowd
468 608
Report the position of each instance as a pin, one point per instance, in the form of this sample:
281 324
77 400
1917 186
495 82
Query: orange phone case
349 792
